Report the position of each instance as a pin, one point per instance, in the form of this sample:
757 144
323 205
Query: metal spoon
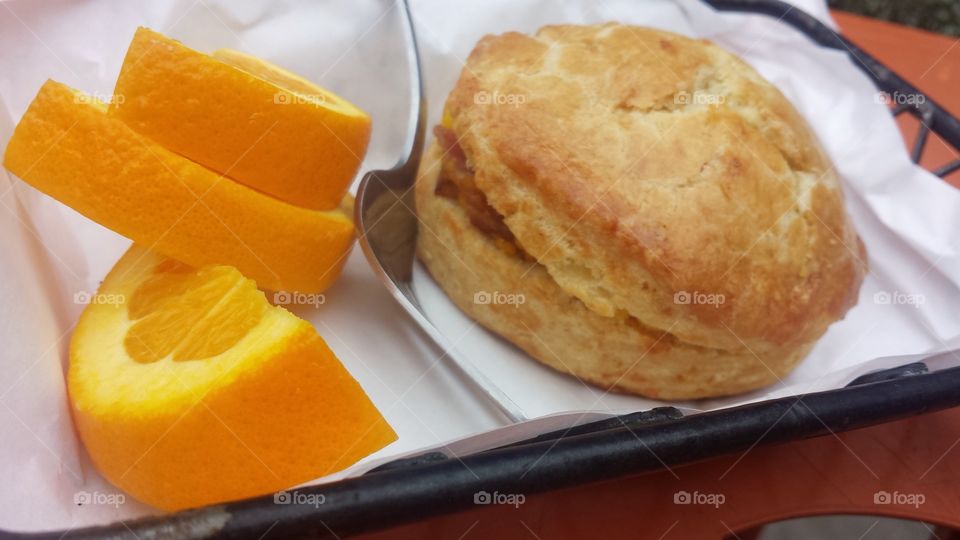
387 225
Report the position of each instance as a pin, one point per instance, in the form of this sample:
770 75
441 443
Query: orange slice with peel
189 388
69 148
243 117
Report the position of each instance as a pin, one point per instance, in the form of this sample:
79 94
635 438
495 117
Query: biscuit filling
456 182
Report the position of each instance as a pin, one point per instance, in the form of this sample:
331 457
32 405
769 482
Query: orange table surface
828 475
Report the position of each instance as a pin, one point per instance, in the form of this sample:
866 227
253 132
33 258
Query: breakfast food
186 385
244 118
668 219
189 388
67 146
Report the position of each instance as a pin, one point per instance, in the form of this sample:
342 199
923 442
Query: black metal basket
417 488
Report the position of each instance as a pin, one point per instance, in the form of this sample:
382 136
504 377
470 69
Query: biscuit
671 220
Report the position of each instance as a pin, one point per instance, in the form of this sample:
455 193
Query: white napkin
51 253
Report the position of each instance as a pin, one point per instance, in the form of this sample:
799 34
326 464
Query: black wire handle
931 115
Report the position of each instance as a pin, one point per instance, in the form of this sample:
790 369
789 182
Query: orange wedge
69 148
243 117
189 388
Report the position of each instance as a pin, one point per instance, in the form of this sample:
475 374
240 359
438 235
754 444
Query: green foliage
936 15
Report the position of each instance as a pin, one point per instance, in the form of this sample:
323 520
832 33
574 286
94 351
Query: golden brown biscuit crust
636 164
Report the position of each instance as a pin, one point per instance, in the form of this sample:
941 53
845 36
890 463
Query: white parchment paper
51 254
